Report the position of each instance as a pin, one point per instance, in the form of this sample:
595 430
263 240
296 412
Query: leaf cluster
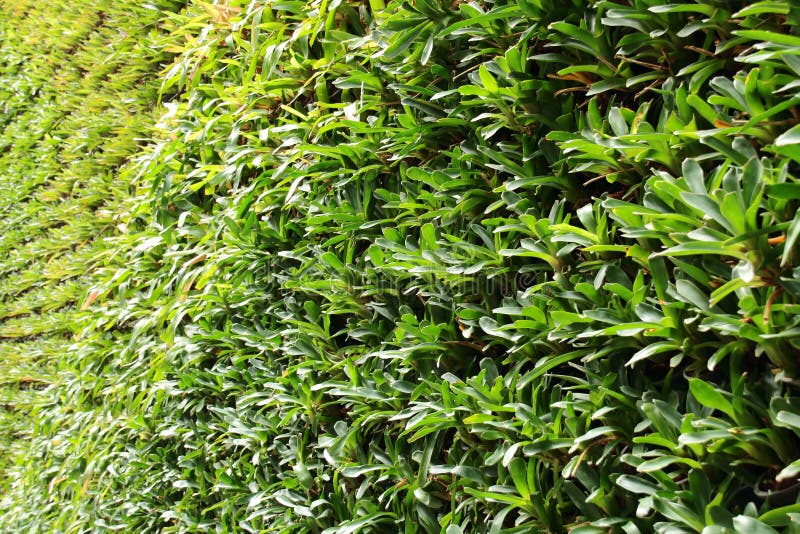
426 266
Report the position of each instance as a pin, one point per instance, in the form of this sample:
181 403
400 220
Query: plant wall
452 267
78 93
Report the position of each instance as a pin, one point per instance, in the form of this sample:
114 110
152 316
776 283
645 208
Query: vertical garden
78 96
415 266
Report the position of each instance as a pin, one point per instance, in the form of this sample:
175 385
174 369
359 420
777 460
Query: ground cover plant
77 93
447 267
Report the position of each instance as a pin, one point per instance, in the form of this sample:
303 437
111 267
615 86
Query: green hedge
452 267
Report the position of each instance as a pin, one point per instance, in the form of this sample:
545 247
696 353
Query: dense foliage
447 267
78 91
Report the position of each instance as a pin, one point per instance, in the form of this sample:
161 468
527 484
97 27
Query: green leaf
709 396
636 485
743 523
504 12
789 137
789 419
779 517
519 474
784 191
651 350
770 37
694 248
679 512
707 10
657 464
